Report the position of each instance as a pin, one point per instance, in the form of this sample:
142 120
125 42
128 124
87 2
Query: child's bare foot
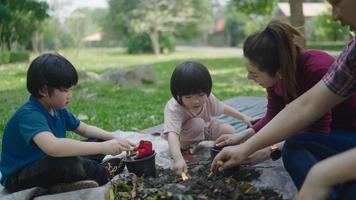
189 158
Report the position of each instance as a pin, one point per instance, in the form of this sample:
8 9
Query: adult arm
320 180
295 116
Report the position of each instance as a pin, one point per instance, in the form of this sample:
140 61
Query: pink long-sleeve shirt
312 67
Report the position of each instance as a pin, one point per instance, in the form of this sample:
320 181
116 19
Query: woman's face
260 77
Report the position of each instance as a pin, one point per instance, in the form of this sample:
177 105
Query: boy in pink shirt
188 115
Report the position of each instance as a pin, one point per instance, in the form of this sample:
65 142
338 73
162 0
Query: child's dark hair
52 71
274 49
190 78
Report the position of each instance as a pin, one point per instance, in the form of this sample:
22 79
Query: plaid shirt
341 77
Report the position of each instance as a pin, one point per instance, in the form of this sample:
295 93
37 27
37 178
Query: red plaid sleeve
341 77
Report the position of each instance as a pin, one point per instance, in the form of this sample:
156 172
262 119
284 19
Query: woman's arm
295 116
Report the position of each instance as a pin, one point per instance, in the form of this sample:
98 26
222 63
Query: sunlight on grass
131 108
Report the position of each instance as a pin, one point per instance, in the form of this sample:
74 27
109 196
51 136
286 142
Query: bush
21 56
141 43
10 57
4 57
330 45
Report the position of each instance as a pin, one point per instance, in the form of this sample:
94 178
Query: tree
255 7
297 16
265 7
128 17
19 20
327 29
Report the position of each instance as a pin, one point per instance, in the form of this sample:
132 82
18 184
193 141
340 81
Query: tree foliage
329 30
255 7
129 17
19 19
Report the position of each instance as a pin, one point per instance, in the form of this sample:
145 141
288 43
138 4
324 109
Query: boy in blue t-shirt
35 150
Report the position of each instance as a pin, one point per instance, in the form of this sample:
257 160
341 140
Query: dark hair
274 49
190 78
52 71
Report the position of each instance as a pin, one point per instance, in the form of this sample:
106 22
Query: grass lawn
131 108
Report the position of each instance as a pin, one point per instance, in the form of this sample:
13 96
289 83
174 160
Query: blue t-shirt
18 148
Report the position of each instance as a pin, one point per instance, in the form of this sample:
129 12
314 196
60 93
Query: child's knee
220 128
193 127
192 131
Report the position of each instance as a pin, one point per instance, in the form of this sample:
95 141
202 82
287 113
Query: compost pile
200 185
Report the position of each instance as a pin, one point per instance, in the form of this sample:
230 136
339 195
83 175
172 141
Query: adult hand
230 156
230 139
314 188
180 166
258 157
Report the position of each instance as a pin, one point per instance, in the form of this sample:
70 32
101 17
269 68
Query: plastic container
142 167
214 151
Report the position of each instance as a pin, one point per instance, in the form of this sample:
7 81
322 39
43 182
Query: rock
88 75
135 76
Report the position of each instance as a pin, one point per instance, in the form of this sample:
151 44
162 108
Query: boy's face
344 11
194 102
260 77
59 98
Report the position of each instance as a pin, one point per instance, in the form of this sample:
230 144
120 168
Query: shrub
141 43
330 45
4 57
20 56
17 56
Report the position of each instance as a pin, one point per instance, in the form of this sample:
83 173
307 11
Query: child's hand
115 146
247 120
180 166
228 139
125 143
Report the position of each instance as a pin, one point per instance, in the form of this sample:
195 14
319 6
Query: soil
234 185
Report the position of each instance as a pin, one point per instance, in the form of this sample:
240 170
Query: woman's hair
274 49
52 71
190 78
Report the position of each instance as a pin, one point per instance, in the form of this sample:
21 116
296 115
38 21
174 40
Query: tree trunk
35 42
155 42
297 16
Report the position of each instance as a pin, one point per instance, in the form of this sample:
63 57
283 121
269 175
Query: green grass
131 108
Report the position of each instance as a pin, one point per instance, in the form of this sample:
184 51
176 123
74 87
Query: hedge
331 45
15 56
